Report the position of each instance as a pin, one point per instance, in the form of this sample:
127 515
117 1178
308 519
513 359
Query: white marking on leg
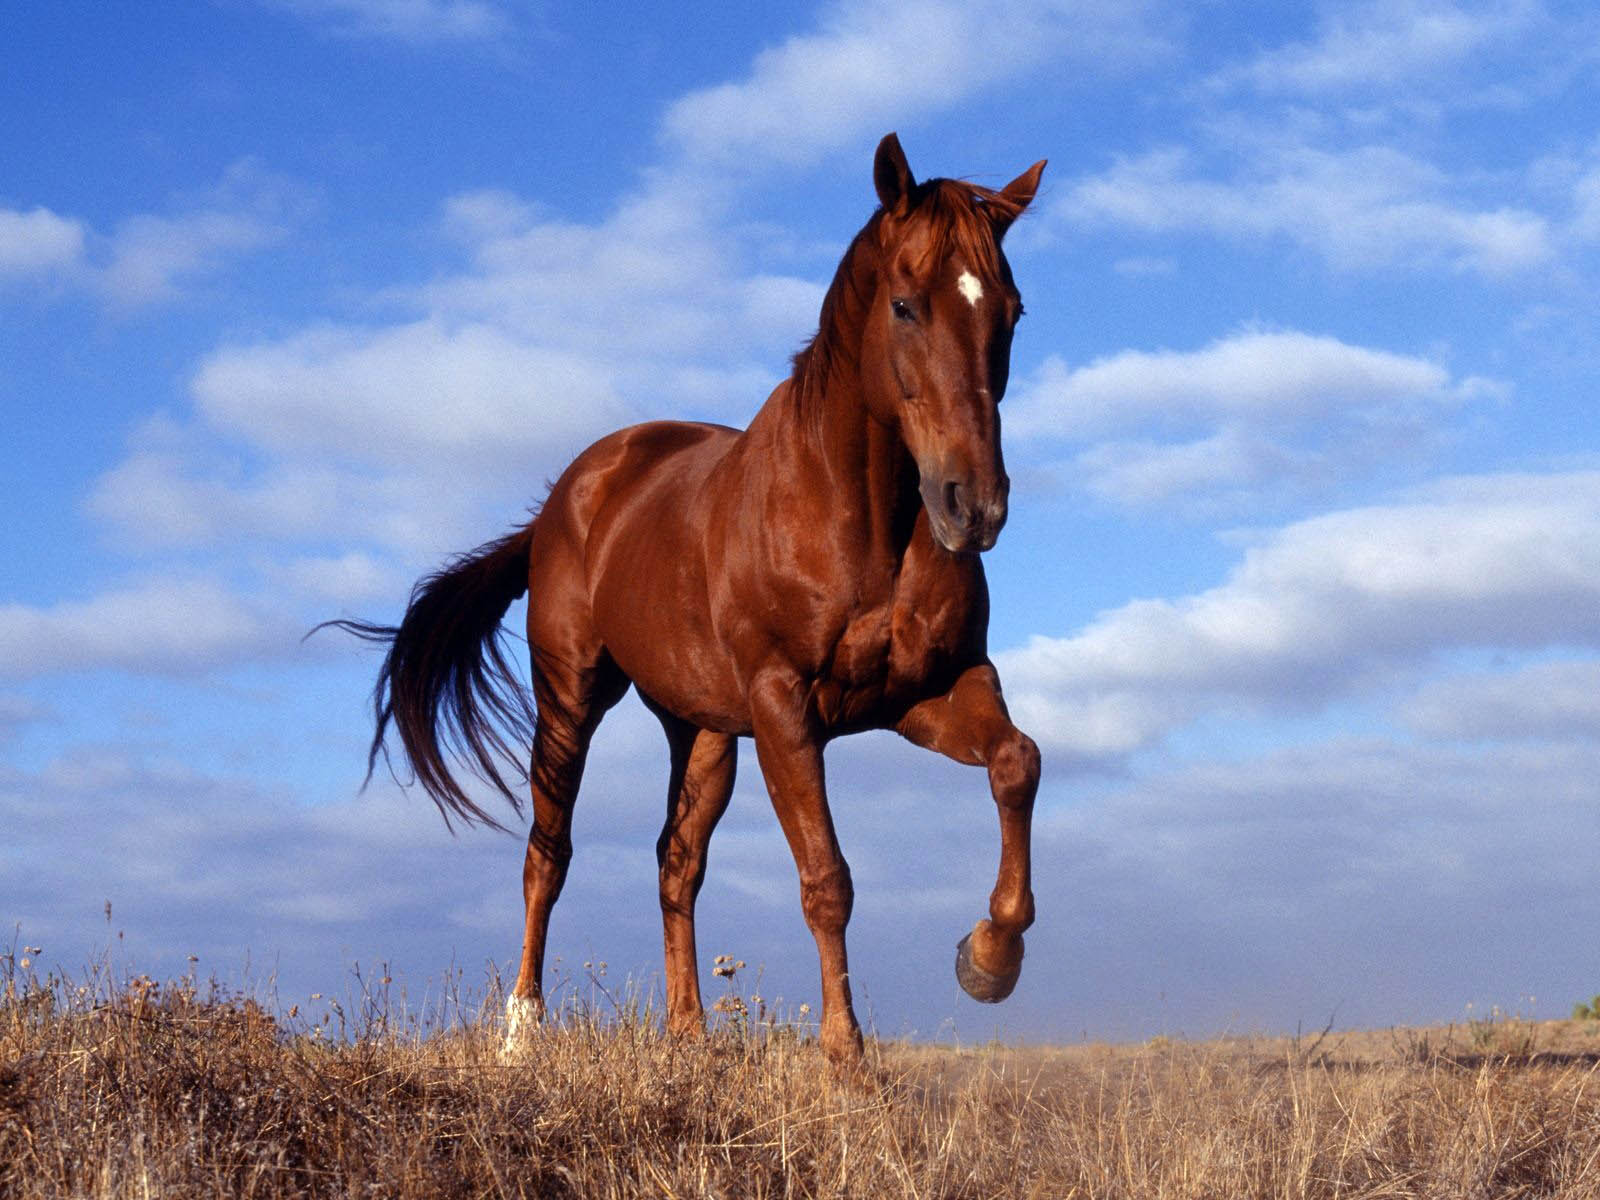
522 1016
970 287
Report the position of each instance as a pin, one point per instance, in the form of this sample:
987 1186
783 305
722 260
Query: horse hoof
978 983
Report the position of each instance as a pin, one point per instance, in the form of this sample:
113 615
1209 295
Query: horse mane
963 218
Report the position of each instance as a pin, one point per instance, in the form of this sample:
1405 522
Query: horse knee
827 897
1014 771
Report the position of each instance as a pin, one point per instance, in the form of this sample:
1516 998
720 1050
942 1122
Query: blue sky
1300 593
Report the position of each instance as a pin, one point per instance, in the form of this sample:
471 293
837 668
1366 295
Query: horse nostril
952 500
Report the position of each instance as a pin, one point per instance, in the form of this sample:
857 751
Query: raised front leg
790 753
702 781
969 723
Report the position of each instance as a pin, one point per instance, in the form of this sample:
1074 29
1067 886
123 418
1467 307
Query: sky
1300 592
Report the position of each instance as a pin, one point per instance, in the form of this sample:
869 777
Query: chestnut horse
812 576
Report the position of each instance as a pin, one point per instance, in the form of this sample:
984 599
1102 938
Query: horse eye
901 309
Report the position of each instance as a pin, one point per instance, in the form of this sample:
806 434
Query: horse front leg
790 753
969 723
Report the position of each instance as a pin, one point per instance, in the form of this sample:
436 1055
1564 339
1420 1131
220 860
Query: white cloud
1231 463
414 21
1324 608
38 242
1281 375
406 395
1360 209
1259 412
351 578
552 335
1391 45
1545 700
158 499
555 331
165 626
150 259
875 64
153 258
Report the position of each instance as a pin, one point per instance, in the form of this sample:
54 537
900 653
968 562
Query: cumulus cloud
1284 374
1253 413
354 577
873 64
165 626
38 242
553 330
1360 209
152 258
404 394
1543 700
552 334
1386 45
658 276
1324 608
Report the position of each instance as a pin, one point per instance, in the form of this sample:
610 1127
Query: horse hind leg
703 766
570 706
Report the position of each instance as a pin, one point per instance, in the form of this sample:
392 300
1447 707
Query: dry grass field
140 1089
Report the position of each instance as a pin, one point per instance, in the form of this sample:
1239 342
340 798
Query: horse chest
897 651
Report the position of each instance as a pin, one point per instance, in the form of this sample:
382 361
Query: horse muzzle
964 517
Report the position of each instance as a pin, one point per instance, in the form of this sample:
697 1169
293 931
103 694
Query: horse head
936 351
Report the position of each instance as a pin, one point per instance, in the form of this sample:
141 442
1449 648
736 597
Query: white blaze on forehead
970 287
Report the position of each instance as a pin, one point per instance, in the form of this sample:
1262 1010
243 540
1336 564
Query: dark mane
962 216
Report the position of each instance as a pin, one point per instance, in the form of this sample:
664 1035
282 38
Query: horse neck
870 488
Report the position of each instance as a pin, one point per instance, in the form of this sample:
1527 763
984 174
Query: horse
814 575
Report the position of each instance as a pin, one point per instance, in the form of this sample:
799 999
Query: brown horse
814 575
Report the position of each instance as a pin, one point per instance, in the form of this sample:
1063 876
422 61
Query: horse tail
446 682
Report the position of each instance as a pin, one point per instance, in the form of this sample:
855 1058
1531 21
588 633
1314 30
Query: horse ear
891 174
1017 194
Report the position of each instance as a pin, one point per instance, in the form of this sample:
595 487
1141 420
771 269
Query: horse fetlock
840 1037
1012 912
688 1025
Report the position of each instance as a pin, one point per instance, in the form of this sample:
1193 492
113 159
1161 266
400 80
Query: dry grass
181 1090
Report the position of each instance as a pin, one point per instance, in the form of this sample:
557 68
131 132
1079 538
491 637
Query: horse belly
646 572
662 640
